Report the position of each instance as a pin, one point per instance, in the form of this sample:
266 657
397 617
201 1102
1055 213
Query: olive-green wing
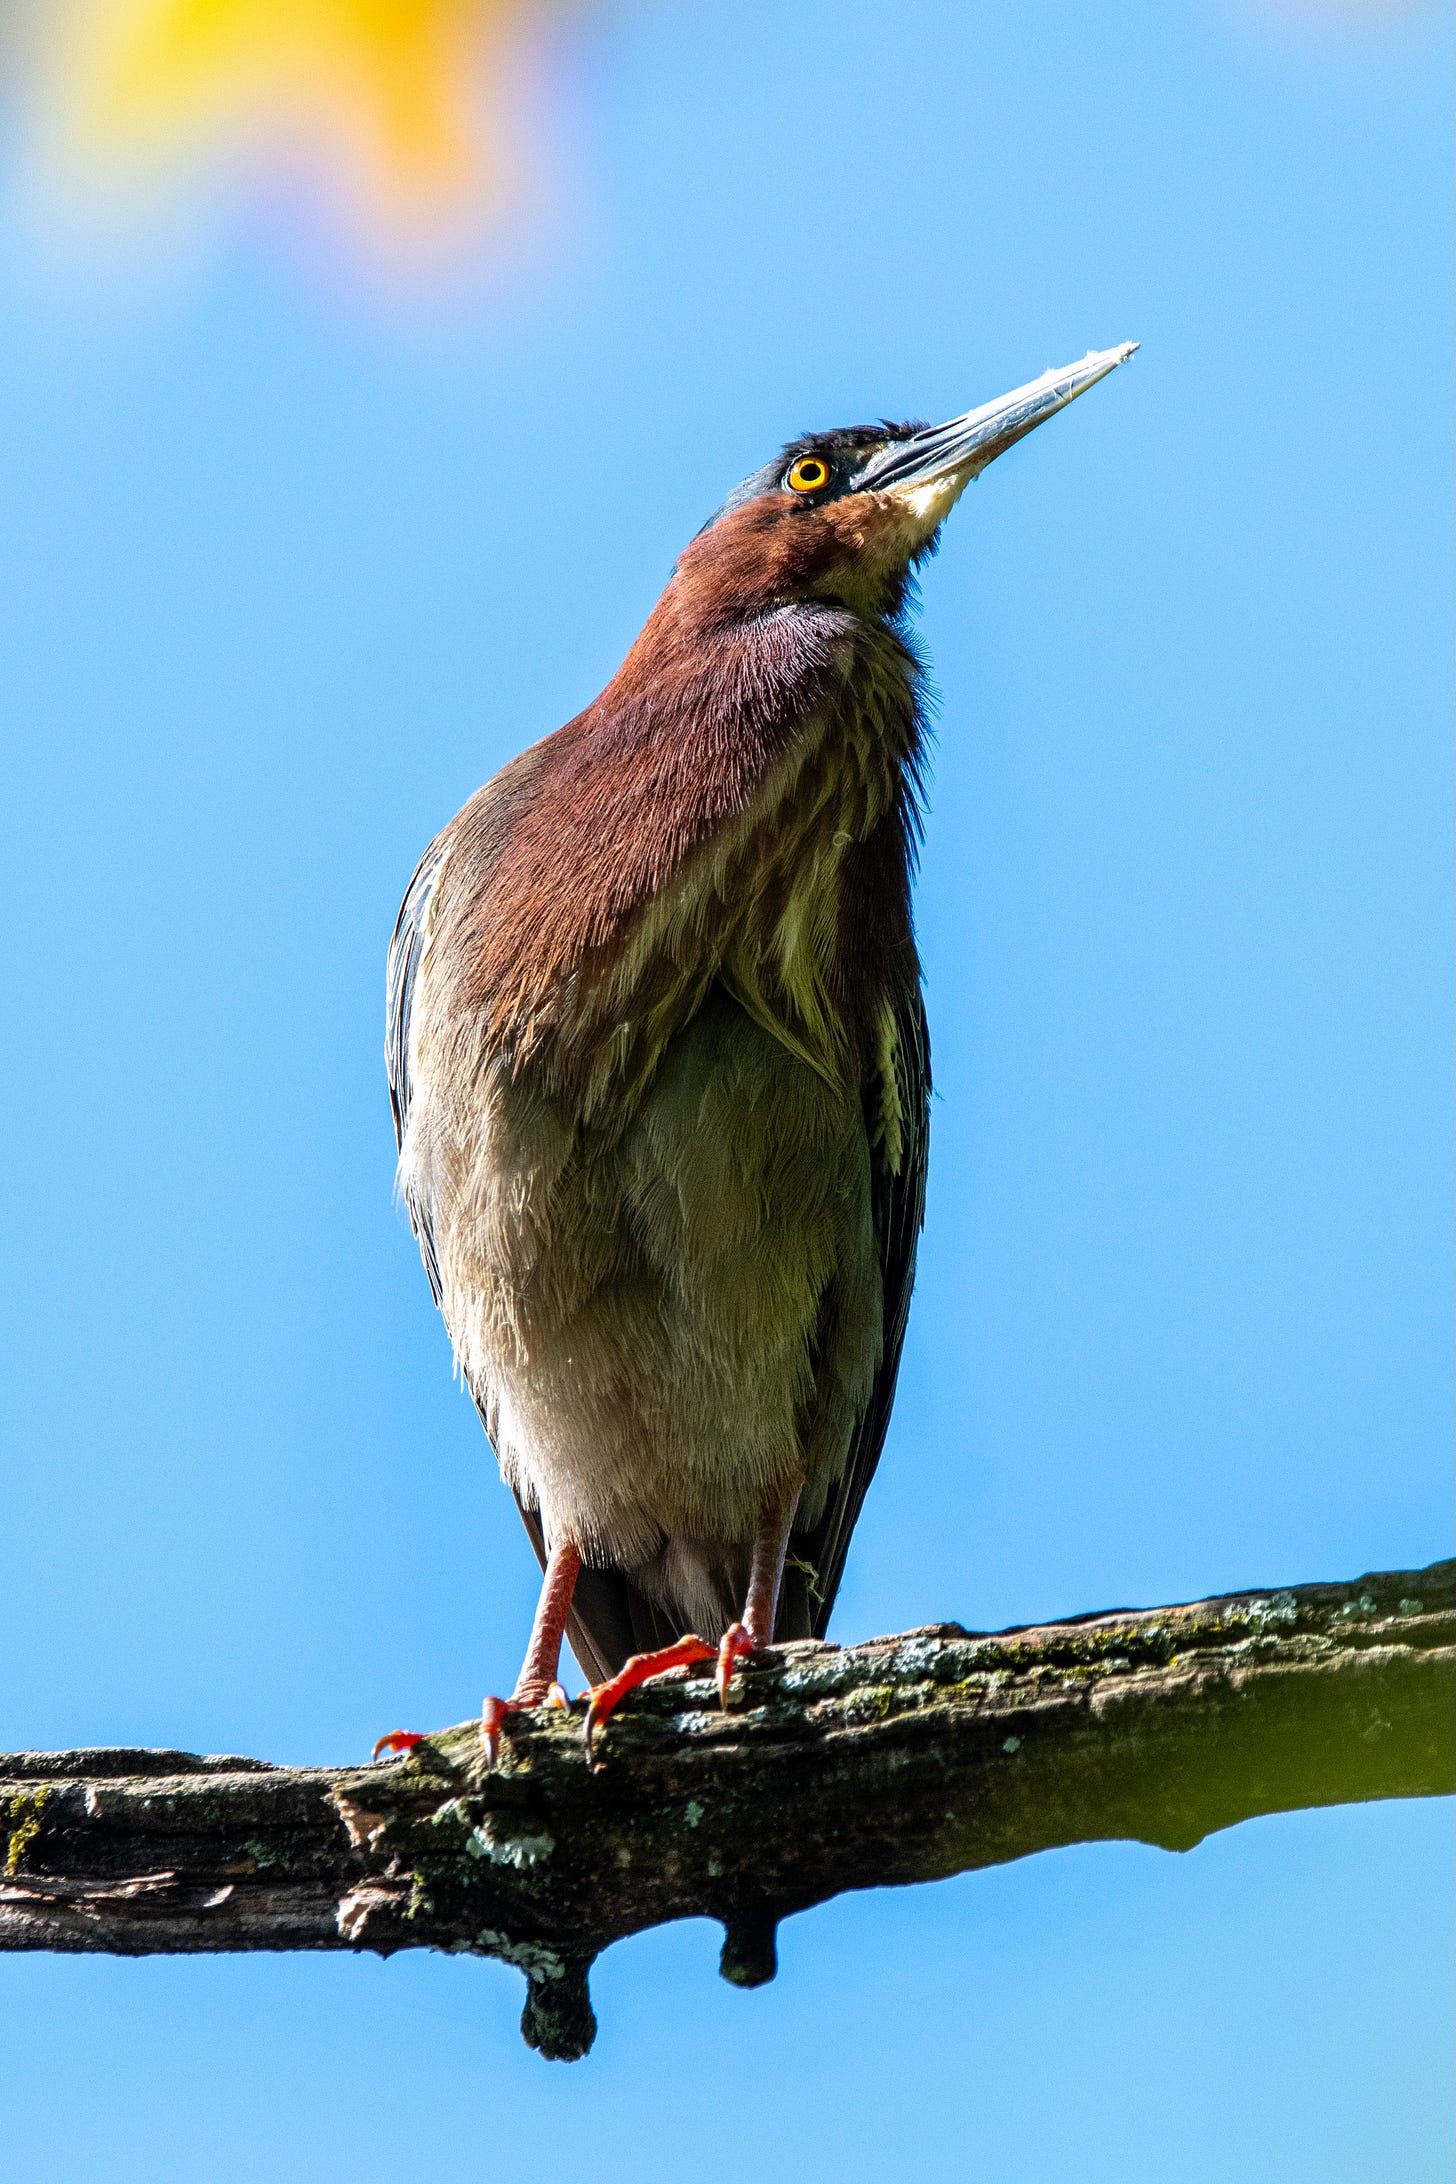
817 1556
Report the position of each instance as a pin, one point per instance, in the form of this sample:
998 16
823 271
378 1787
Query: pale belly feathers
668 1328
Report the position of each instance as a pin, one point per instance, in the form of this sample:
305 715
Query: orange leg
536 1685
761 1607
537 1680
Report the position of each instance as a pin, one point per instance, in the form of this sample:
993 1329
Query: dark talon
492 1719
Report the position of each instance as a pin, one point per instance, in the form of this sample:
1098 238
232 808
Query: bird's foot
494 1711
736 1646
605 1698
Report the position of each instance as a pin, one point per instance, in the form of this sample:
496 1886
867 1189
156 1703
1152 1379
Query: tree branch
905 1759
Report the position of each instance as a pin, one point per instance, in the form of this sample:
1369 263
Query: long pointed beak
951 455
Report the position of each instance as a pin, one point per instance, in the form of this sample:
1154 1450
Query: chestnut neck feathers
740 803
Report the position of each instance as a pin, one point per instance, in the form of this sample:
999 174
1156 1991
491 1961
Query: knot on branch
558 2020
750 1955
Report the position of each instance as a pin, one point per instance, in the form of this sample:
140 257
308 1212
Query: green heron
658 1062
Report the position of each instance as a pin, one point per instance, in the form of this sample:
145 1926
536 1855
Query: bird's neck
738 805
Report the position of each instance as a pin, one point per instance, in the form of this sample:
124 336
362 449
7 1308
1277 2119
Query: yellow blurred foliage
398 113
386 101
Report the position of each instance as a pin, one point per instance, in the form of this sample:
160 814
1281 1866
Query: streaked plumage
659 1064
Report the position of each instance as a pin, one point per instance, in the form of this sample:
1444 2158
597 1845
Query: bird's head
846 515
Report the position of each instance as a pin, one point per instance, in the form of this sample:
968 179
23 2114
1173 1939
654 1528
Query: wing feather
898 1201
406 953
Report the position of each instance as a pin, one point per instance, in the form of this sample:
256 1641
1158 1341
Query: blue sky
290 567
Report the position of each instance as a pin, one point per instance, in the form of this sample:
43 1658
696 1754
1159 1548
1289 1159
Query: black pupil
811 473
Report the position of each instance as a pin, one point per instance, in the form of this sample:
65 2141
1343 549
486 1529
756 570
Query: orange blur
391 109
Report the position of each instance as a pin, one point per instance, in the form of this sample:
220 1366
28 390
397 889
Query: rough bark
905 1759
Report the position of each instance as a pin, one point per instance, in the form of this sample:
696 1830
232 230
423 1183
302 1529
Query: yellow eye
808 474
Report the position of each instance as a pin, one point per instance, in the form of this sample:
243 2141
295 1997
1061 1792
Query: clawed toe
492 1717
605 1698
494 1711
398 1740
736 1646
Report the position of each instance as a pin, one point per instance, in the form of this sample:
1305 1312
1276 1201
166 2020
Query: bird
660 1074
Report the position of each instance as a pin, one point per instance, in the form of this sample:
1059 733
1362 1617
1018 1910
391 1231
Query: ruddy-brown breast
739 803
